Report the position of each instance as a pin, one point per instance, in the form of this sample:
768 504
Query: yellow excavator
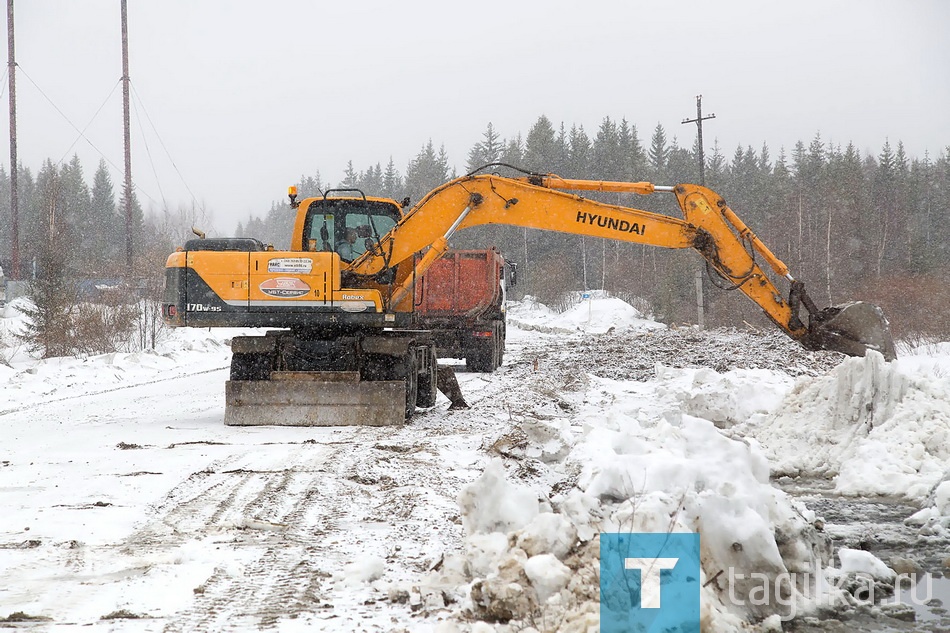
346 347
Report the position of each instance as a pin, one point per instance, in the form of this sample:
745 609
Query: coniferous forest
851 225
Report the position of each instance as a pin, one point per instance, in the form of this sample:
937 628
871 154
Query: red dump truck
461 299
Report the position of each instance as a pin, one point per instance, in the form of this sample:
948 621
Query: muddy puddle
876 525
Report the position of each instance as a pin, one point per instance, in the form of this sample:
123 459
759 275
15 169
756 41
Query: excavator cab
354 220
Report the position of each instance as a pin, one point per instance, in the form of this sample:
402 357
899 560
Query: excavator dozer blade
852 328
314 399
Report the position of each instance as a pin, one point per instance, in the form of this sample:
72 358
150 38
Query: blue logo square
649 582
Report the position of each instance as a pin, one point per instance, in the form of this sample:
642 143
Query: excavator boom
708 226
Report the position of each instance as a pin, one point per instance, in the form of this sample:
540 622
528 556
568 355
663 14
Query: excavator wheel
428 382
411 376
251 366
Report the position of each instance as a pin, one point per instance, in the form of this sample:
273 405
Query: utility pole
700 310
128 150
699 130
14 202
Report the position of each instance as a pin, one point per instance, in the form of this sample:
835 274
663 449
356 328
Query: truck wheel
250 366
500 342
486 355
428 381
479 358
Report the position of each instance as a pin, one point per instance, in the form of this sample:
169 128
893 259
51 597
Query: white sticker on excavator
290 265
284 287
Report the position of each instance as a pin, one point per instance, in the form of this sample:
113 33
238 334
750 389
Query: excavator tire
411 377
251 366
428 390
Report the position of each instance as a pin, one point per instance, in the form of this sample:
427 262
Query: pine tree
350 177
922 226
681 164
392 181
658 153
716 168
885 197
371 181
48 328
634 158
426 171
76 212
540 152
104 219
905 202
309 186
138 226
608 161
486 151
513 154
580 153
562 152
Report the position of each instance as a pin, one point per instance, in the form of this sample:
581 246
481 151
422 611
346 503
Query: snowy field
128 505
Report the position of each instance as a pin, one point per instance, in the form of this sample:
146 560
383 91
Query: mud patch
123 614
20 616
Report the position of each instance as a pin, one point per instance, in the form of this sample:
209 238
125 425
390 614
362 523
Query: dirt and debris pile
631 355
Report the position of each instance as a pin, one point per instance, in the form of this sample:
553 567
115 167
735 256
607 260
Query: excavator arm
545 202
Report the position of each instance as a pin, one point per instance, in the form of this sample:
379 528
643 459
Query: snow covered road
126 498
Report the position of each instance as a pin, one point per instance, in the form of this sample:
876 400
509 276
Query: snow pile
633 466
883 428
366 569
25 380
856 561
724 398
495 505
934 518
596 314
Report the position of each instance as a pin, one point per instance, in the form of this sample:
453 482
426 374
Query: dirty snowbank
877 428
608 456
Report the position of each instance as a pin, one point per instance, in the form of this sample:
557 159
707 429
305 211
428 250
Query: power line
162 143
83 132
3 87
83 136
148 152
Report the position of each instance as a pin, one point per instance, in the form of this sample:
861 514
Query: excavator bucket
314 399
852 328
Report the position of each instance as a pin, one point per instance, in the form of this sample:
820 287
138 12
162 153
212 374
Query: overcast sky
246 95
